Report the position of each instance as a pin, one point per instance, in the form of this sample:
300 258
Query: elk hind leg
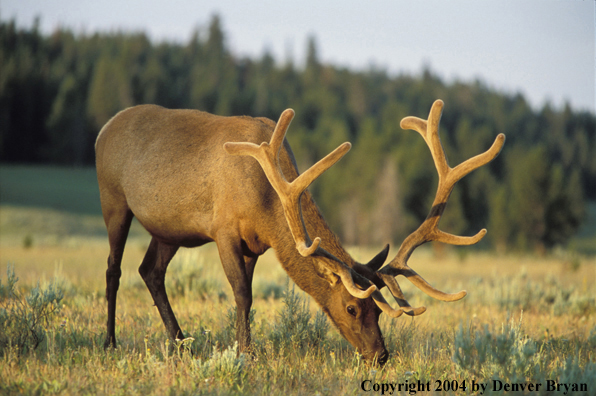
153 271
118 225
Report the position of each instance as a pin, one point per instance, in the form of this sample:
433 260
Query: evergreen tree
69 136
109 91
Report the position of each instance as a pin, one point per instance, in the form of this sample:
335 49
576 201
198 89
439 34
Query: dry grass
556 295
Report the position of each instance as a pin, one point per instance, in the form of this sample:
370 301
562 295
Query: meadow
527 320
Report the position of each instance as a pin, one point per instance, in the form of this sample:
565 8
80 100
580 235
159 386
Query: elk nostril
382 359
377 358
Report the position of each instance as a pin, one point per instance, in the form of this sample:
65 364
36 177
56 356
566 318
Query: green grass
585 240
71 190
45 203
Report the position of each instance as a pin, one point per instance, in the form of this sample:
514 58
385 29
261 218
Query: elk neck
302 269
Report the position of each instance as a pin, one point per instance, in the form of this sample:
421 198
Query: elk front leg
239 270
153 270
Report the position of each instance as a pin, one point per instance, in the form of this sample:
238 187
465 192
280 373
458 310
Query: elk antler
267 154
428 230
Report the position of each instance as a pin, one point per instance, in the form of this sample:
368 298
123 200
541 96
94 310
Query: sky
543 49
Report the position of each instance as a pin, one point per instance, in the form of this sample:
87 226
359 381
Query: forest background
58 90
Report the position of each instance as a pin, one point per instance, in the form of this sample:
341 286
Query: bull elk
188 178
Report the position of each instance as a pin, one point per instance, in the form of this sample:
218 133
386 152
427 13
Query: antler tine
384 305
428 230
398 296
429 131
267 154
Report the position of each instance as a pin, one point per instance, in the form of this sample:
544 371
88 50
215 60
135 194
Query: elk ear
332 279
378 261
327 274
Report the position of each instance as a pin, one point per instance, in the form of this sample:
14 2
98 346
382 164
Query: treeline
57 91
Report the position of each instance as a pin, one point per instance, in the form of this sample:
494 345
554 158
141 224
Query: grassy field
526 320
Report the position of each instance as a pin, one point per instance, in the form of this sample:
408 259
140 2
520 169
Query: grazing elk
187 177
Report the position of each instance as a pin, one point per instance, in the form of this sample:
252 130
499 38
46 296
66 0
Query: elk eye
352 310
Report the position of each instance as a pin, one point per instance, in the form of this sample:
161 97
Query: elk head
353 300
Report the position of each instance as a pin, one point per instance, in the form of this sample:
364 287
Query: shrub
267 289
521 292
24 320
226 365
187 277
228 334
506 354
295 328
511 356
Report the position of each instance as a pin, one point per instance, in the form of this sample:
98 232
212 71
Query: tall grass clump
24 319
296 329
